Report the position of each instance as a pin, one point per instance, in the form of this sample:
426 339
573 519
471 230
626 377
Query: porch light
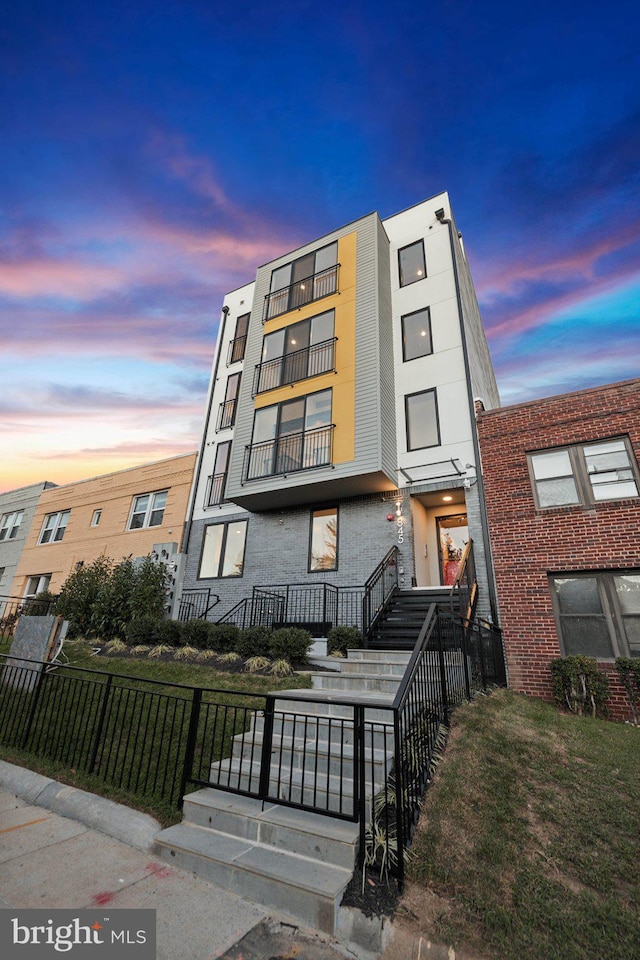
447 498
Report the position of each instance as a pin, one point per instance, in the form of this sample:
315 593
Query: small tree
629 670
579 685
79 594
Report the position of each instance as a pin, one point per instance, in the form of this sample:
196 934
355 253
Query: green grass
139 757
528 842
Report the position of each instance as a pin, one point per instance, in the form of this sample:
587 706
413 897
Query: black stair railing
379 591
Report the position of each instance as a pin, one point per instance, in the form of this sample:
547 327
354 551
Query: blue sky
155 153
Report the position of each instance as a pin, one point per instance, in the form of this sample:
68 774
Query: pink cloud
44 277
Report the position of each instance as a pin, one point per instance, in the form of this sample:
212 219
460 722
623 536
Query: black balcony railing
236 350
226 414
214 493
302 291
299 365
288 454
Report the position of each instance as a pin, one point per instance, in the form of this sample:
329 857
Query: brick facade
530 544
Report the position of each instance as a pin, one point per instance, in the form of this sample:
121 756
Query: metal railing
236 350
214 492
379 591
311 288
196 604
317 606
464 590
299 365
288 454
226 414
12 608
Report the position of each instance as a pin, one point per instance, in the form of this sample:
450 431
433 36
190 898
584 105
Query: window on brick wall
223 550
598 613
586 474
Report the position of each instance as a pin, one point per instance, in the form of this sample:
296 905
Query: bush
196 633
629 671
79 594
254 642
341 639
169 632
223 637
149 589
579 685
42 604
290 643
141 630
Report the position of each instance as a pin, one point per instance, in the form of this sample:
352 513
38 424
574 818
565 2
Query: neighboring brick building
562 490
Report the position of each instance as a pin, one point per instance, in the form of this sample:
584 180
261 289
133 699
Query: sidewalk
65 848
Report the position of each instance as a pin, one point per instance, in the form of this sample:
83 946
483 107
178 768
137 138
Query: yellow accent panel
113 494
343 382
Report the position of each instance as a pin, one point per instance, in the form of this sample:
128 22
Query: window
323 540
223 550
227 411
421 412
306 279
411 263
598 614
54 527
296 352
586 474
148 510
96 518
10 525
416 334
294 435
2 570
216 483
239 342
36 585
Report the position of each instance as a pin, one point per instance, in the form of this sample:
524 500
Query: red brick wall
528 543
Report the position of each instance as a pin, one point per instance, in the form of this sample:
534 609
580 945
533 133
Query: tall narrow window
411 263
421 411
215 491
416 334
323 542
238 344
227 411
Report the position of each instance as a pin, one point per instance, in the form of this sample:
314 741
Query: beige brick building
128 513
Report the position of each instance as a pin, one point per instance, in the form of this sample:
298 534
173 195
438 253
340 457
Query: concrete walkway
65 848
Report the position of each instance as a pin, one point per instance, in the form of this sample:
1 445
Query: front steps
294 861
400 625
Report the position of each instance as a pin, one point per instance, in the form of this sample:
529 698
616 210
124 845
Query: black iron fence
12 608
379 590
314 606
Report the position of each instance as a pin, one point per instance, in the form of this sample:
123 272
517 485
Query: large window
598 614
147 510
296 352
421 412
411 263
223 550
323 540
306 279
586 474
416 334
54 527
10 525
36 585
294 435
239 342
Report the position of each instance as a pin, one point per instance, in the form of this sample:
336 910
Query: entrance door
453 534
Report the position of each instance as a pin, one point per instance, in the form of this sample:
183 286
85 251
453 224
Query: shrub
281 668
42 604
629 670
116 646
141 649
579 685
290 643
169 632
223 637
341 639
141 630
256 664
148 593
195 633
155 653
186 653
79 593
254 642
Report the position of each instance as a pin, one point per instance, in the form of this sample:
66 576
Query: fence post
190 750
103 713
397 763
483 668
267 740
465 626
443 674
360 793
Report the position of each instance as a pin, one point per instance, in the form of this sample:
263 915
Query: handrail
301 364
462 579
369 618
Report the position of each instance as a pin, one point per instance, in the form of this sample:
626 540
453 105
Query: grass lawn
528 845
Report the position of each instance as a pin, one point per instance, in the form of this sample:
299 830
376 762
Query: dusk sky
154 154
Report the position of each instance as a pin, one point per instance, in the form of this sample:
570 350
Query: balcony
289 454
214 493
312 288
226 414
236 350
299 365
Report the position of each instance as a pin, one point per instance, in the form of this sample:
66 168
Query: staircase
400 624
292 860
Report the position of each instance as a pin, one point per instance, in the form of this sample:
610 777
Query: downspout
484 523
205 432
